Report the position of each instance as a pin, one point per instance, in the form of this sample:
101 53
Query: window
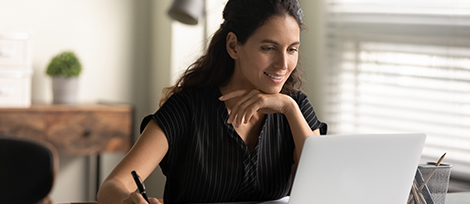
402 66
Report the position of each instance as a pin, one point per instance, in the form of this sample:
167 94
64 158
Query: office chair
27 170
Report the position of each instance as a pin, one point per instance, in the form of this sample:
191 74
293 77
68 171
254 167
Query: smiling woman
268 57
234 124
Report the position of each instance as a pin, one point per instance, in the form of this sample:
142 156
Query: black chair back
27 170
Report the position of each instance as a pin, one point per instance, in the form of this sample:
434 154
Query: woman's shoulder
298 96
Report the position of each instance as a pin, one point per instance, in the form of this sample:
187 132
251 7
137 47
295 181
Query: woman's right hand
143 157
137 198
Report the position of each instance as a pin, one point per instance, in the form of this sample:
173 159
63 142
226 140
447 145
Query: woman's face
269 56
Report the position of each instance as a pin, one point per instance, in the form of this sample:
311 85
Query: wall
100 32
311 60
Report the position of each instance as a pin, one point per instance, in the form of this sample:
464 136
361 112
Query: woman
233 126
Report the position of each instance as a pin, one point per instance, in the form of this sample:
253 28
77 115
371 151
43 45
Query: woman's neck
236 82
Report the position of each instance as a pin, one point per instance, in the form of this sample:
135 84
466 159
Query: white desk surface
458 198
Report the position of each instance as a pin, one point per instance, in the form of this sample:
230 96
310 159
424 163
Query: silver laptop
357 169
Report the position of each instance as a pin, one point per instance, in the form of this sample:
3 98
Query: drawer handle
5 52
87 133
6 91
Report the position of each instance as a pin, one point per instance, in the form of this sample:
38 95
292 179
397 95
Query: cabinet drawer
23 125
84 133
15 88
72 129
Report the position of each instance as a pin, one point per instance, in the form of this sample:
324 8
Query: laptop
357 169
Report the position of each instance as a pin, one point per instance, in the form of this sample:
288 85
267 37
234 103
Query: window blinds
401 66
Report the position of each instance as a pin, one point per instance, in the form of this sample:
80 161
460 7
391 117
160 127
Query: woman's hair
241 17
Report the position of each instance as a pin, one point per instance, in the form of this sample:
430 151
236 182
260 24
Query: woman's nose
281 61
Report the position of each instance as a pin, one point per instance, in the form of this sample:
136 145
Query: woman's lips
276 77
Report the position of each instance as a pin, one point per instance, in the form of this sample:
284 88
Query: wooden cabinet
72 129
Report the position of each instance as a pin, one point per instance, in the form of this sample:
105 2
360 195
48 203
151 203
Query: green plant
65 64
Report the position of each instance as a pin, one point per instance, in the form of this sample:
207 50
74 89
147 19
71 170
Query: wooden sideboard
72 129
78 130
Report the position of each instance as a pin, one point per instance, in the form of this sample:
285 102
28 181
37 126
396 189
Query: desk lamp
187 11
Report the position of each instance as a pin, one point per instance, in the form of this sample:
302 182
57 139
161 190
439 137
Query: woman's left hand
247 103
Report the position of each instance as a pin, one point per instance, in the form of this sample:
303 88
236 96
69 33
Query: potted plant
64 70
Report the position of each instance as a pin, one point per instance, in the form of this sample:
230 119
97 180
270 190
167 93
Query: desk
458 198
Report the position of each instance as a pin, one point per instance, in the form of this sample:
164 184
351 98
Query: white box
15 69
15 88
15 50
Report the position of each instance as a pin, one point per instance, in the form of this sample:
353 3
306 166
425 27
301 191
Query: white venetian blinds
402 66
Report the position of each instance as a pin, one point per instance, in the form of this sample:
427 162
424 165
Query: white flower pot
65 90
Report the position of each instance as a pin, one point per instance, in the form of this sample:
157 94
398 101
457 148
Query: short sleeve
309 114
173 117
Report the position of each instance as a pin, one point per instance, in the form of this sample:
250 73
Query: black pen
140 185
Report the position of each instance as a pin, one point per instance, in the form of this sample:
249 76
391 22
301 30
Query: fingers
247 107
234 114
247 104
233 94
154 201
137 198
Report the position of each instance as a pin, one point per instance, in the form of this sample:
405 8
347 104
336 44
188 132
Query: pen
140 185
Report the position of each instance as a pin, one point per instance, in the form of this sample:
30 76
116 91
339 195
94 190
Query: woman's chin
271 90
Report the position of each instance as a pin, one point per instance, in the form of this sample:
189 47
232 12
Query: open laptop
357 169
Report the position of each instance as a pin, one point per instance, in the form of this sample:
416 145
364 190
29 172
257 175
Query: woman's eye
267 48
292 50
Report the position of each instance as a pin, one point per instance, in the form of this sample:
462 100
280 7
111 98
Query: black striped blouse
208 162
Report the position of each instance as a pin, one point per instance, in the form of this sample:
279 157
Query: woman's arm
299 127
248 103
143 157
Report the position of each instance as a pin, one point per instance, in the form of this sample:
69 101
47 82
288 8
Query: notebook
357 169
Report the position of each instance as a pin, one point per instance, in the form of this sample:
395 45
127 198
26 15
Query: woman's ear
231 45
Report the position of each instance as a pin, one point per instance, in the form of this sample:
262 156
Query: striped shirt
207 161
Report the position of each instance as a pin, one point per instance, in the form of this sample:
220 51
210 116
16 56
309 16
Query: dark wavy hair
241 17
